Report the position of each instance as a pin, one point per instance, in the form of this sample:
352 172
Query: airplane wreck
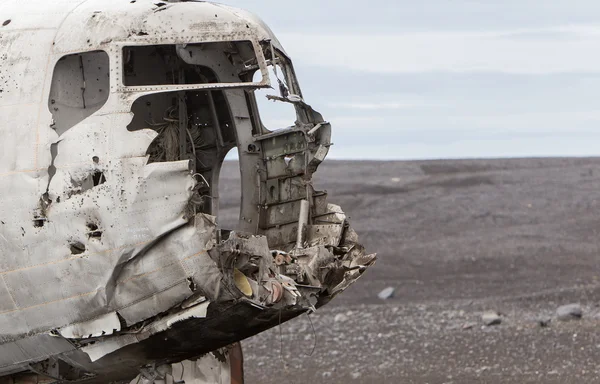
116 117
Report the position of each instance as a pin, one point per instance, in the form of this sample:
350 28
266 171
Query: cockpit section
124 228
216 112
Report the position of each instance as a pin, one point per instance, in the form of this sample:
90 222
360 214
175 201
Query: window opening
80 87
274 114
161 64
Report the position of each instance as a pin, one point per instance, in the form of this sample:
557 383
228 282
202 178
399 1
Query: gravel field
455 239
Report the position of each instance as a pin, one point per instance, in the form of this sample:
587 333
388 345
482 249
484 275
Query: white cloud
551 122
539 122
471 148
376 106
518 51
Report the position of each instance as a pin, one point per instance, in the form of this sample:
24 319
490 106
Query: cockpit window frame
122 88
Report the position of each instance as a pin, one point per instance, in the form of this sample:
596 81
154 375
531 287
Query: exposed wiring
166 145
192 142
203 178
314 335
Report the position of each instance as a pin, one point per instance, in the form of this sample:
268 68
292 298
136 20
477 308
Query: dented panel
111 252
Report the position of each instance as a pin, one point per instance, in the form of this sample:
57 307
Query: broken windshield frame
285 89
260 65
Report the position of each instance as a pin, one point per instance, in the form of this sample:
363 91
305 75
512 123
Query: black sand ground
454 238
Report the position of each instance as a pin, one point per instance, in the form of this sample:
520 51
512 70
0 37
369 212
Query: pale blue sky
445 78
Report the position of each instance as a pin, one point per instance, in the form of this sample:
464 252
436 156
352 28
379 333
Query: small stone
490 318
569 312
482 369
340 318
387 293
326 375
469 326
355 375
544 323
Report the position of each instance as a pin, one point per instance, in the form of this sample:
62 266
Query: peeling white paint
104 325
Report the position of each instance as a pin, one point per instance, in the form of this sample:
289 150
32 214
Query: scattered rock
569 312
340 318
387 293
355 375
490 318
326 375
544 323
482 369
469 326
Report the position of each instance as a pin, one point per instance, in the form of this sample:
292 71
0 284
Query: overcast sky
402 79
